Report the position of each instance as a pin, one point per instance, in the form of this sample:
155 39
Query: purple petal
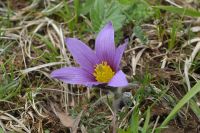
74 75
119 80
118 55
83 55
105 45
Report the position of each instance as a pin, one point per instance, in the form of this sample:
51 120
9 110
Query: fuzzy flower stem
118 91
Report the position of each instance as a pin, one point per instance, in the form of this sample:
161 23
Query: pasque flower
99 66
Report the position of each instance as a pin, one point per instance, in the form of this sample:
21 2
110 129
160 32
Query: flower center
103 72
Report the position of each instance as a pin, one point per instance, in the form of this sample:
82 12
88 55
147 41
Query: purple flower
96 67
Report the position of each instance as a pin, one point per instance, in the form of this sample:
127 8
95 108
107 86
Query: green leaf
126 2
121 131
192 92
180 11
103 12
139 11
86 6
137 30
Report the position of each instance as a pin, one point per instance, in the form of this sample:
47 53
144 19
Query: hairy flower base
103 72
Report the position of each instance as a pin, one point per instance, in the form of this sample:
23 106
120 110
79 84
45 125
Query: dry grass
32 45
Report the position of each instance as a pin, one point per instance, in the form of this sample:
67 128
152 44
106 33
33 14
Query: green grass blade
1 130
47 42
195 108
180 104
76 9
173 33
145 127
135 121
181 11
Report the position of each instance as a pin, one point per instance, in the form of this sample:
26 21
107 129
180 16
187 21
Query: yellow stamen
103 72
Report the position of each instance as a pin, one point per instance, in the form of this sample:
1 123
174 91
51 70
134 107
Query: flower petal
118 55
74 75
119 80
105 45
83 55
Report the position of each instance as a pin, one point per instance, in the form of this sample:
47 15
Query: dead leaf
65 119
